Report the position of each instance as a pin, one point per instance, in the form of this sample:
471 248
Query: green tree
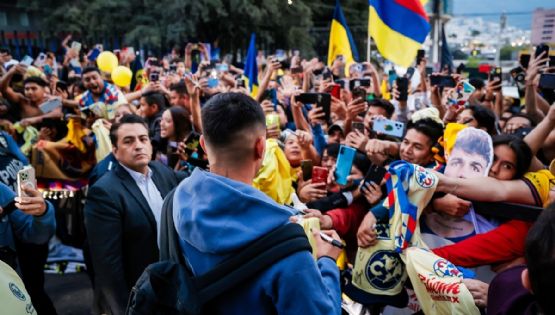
163 23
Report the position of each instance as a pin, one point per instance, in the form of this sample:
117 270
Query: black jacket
121 231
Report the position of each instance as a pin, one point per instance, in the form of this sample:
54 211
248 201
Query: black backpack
169 287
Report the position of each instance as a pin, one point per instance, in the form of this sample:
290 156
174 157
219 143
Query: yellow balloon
107 61
121 76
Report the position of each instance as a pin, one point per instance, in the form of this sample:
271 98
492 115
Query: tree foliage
164 23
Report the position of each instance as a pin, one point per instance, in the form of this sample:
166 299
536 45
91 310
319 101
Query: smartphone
154 76
389 127
319 175
547 81
421 54
26 177
353 84
443 80
341 82
524 60
375 174
552 61
518 74
306 166
336 91
392 76
76 46
359 93
270 95
272 120
213 79
496 73
39 62
319 99
344 164
50 105
358 126
240 83
410 73
403 88
542 48
26 61
94 54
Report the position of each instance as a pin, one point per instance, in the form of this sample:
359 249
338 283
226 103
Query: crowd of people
308 142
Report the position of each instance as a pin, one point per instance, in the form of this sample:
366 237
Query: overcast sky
498 6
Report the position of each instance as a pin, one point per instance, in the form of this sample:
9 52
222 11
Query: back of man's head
229 119
540 257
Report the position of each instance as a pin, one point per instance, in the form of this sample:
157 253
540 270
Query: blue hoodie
216 217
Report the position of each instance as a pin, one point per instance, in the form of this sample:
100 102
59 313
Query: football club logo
444 268
424 178
16 291
384 270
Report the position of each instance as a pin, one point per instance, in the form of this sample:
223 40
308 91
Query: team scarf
410 188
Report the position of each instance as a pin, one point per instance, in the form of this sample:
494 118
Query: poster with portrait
470 157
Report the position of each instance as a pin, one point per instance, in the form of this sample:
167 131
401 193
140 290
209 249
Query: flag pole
369 39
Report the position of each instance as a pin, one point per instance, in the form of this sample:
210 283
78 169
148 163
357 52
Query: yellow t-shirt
540 183
14 299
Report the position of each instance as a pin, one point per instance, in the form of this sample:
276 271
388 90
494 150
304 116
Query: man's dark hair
5 50
36 80
179 88
521 150
332 149
525 116
155 98
485 118
226 115
429 127
540 257
474 143
386 105
90 69
126 119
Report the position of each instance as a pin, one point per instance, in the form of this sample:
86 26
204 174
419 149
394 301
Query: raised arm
5 88
486 189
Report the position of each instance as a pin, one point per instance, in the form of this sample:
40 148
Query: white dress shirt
150 192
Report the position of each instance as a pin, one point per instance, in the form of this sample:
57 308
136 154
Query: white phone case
25 177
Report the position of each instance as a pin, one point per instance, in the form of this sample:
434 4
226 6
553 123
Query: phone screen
306 166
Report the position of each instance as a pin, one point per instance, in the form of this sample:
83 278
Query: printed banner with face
470 157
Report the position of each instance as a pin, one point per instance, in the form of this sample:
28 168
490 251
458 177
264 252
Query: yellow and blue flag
341 40
251 68
399 27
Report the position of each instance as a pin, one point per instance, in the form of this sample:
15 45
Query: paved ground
70 293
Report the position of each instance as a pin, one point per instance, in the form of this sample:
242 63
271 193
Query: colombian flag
341 40
399 27
251 68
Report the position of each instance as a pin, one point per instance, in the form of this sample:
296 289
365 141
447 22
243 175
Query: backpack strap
169 240
256 257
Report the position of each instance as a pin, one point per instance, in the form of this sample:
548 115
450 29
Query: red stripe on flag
415 6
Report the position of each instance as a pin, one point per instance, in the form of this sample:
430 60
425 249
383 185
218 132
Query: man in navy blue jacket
218 213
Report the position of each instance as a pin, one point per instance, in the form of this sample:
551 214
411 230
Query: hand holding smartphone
26 178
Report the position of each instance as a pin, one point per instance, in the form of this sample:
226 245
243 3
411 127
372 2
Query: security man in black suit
122 214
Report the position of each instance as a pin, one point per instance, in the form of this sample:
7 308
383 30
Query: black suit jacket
121 231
